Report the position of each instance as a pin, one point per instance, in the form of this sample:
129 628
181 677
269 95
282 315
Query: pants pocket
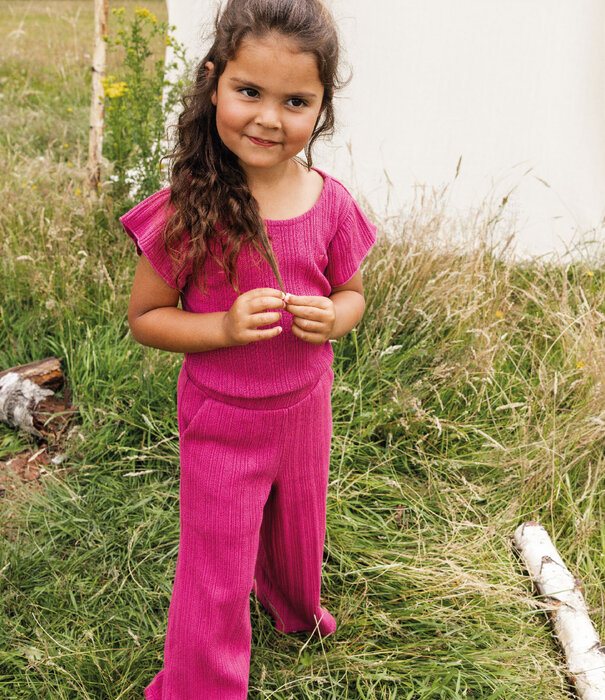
188 424
190 401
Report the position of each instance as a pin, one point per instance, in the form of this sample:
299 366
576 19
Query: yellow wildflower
78 191
113 89
589 273
69 109
168 41
34 187
499 314
65 145
579 364
117 11
69 163
141 11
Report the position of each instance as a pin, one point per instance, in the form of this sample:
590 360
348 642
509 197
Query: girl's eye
297 102
245 91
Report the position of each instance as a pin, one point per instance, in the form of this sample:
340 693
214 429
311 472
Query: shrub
138 100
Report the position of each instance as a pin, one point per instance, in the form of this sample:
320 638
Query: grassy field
469 399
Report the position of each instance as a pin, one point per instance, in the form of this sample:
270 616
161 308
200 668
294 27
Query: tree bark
27 399
97 107
568 612
45 373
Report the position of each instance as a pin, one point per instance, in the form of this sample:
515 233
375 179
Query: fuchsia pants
253 485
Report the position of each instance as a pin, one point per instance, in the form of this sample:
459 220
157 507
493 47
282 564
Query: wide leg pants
253 485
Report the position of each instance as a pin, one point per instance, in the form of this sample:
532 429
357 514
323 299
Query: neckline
304 215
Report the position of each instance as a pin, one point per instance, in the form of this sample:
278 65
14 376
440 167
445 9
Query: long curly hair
208 189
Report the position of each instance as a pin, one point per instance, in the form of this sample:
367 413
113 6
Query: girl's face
268 100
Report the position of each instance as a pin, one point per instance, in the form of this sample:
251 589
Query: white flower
390 350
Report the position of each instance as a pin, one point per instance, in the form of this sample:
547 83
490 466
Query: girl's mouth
261 142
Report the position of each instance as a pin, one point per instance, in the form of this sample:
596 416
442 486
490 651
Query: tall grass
469 399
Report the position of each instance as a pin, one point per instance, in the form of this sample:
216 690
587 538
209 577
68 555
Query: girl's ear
209 66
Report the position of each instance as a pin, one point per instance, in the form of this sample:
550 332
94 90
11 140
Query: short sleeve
353 239
144 224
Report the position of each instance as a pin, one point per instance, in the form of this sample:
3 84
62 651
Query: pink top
316 251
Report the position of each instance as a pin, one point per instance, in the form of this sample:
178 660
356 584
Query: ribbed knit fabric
255 424
252 515
315 251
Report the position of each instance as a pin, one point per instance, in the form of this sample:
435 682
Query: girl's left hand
313 317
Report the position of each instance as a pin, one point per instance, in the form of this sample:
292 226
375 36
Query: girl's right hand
249 311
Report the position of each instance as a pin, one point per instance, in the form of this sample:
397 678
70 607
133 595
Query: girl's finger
302 311
307 324
315 302
264 333
307 336
266 302
265 319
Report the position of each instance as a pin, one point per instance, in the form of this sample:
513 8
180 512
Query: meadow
469 399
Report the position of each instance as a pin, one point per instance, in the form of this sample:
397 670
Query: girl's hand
313 317
249 311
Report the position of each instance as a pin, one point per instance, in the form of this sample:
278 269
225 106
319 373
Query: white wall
516 88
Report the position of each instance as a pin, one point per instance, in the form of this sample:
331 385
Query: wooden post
97 109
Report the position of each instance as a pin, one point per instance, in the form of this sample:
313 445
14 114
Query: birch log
97 108
19 398
45 373
562 593
28 400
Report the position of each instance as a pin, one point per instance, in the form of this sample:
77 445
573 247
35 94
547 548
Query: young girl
244 215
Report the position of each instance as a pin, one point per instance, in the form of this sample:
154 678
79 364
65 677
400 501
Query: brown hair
208 188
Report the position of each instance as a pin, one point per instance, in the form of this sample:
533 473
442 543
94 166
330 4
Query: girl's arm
349 305
155 320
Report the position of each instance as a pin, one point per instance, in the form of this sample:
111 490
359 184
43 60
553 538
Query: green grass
469 399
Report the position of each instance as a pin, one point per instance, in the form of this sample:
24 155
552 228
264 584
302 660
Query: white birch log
97 107
562 594
18 400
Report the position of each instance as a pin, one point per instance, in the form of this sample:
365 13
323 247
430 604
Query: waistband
264 403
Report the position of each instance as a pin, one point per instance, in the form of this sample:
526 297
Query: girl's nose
268 117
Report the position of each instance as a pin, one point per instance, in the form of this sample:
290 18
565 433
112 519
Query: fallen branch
28 402
18 400
569 615
45 373
27 398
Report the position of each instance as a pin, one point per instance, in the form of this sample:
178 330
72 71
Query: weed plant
469 399
138 99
